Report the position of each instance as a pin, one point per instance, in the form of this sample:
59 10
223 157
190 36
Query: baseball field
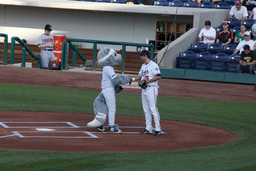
227 107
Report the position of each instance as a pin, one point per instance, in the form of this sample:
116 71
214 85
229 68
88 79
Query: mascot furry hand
107 57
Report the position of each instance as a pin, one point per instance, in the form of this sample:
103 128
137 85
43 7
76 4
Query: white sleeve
232 11
214 33
40 40
156 69
239 45
245 12
200 33
140 73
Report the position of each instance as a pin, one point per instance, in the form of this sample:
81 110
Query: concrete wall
28 23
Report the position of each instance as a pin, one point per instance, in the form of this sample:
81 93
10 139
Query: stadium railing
69 43
24 50
5 47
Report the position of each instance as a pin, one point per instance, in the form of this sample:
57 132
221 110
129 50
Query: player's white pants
46 58
149 101
110 97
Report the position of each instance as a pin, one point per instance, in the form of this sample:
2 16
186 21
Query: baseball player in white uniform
46 43
149 72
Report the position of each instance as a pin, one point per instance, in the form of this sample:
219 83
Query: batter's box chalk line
48 130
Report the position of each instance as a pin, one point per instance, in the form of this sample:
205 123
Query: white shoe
95 123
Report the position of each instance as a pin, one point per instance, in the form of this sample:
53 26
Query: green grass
239 118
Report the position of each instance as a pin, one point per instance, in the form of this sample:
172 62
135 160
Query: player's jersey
108 74
149 71
44 40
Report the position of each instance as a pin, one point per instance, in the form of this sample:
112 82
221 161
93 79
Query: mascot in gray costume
105 103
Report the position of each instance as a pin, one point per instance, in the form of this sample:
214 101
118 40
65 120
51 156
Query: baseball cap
144 52
247 33
48 27
207 23
225 23
237 2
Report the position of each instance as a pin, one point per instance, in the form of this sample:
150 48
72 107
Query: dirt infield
60 132
67 132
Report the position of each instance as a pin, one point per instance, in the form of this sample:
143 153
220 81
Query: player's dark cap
207 23
48 27
144 52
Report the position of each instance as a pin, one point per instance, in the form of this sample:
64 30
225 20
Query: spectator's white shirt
211 32
254 13
239 14
240 46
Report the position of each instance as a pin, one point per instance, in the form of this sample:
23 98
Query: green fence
24 50
5 47
68 44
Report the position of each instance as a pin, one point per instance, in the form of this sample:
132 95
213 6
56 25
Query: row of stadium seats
207 61
213 48
193 4
227 4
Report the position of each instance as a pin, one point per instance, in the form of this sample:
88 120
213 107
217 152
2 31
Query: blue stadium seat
232 63
186 59
218 62
235 30
161 3
230 2
90 0
202 60
191 4
108 1
215 48
176 3
119 1
233 22
219 28
222 5
198 47
206 4
229 49
248 23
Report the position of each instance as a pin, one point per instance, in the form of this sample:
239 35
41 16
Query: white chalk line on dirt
47 129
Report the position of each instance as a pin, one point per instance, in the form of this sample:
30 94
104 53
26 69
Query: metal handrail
5 47
68 41
25 48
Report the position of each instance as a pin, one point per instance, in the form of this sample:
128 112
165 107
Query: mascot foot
95 123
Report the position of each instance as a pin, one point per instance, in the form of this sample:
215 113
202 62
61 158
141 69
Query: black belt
48 49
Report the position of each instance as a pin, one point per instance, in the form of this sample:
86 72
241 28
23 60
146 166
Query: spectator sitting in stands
207 34
247 60
224 37
247 41
238 11
253 14
240 35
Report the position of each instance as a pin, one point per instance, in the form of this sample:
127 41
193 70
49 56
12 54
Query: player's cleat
101 128
146 132
157 133
114 129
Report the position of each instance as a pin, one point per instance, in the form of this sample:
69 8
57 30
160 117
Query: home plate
44 129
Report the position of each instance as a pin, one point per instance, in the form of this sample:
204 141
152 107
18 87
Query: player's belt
153 86
48 49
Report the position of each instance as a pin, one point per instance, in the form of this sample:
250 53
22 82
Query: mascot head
107 56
